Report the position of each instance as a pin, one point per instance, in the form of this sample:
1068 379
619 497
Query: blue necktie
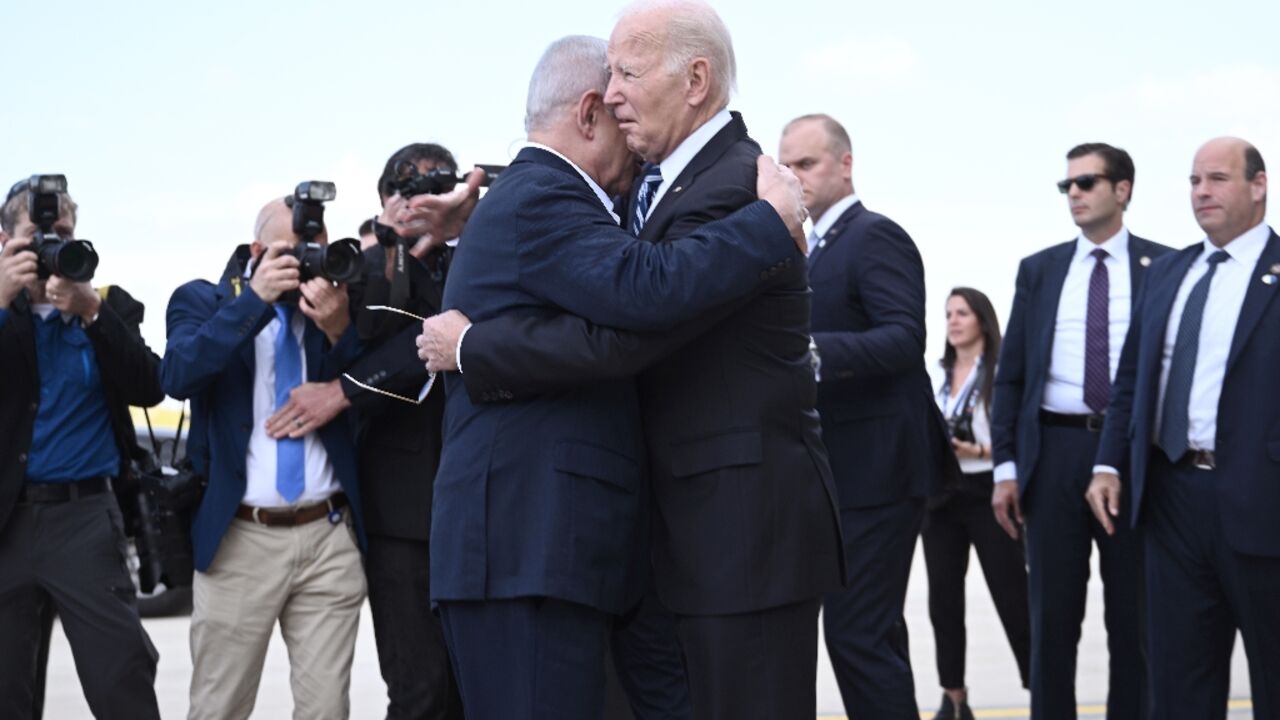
1175 419
290 459
650 179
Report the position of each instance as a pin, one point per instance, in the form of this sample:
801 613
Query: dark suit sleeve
392 365
123 357
203 337
1011 373
1113 446
886 270
521 355
603 274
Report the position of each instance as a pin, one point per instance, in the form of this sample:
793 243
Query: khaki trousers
310 579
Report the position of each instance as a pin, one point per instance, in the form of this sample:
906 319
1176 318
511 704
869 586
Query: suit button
786 263
22 457
764 275
35 406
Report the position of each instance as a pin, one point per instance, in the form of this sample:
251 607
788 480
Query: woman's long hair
989 325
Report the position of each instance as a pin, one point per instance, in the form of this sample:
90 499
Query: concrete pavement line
1083 710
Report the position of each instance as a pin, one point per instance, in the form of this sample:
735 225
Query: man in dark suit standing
887 442
537 503
1069 319
273 538
745 533
1193 430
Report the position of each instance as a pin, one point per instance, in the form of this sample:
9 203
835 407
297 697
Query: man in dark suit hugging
538 504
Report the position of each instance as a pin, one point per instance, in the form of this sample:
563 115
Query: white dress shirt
260 463
1221 311
950 406
1064 388
680 158
822 225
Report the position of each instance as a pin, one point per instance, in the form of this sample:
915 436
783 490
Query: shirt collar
595 187
833 213
684 153
1245 249
1117 246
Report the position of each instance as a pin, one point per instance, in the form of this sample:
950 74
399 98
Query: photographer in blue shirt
72 360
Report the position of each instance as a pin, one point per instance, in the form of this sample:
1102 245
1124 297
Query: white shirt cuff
457 351
1105 469
1006 471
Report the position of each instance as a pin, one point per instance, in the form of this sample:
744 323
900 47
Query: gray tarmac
994 687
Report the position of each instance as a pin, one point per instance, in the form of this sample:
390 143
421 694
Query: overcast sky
175 122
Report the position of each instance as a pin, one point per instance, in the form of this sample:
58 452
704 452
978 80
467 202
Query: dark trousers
965 520
1200 592
527 658
865 630
1060 534
411 650
753 666
72 554
648 666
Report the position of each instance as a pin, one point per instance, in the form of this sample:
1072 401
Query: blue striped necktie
650 179
290 456
1175 419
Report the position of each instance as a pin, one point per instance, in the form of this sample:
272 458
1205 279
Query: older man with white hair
539 504
745 534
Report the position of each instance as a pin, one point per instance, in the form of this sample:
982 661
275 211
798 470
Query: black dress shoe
950 711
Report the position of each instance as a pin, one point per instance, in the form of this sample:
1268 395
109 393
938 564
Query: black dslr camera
339 261
75 260
438 181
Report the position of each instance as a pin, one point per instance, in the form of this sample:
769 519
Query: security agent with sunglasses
1070 315
399 437
72 360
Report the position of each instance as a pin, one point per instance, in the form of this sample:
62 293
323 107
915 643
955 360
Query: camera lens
76 261
343 261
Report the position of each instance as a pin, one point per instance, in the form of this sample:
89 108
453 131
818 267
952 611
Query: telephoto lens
340 262
75 260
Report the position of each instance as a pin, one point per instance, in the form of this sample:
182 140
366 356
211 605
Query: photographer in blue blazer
273 537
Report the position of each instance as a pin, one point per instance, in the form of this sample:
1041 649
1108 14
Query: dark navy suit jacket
1247 447
745 513
209 359
882 428
1028 349
544 497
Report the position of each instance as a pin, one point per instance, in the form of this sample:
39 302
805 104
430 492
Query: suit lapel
1054 277
1160 300
1139 261
24 323
313 343
834 232
1257 297
654 227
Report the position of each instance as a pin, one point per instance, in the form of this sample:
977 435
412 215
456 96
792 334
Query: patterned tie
650 179
290 460
1174 418
1097 336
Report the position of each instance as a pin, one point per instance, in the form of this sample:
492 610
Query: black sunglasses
1084 182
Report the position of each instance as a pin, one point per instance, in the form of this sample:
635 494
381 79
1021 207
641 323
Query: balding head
816 148
275 224
1228 188
672 68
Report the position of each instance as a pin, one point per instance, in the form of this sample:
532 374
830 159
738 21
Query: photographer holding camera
275 536
72 360
398 435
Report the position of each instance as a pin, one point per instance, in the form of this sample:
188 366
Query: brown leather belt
1092 423
1198 459
291 517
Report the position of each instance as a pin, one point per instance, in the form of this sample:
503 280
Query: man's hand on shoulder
438 343
779 187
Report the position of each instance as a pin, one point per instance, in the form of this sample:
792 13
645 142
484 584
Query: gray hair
569 67
695 30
